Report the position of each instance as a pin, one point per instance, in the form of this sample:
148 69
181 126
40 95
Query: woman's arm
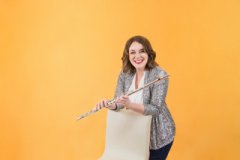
119 90
157 100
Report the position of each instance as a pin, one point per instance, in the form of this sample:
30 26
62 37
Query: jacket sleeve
119 89
157 98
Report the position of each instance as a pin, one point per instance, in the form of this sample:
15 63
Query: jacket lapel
128 82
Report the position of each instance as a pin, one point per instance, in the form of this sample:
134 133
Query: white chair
127 136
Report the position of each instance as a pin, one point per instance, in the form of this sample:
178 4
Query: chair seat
127 136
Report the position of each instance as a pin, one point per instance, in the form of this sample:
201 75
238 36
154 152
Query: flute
115 99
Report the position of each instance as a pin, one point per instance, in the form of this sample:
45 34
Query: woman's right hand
103 103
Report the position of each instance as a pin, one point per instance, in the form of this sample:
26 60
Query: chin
140 67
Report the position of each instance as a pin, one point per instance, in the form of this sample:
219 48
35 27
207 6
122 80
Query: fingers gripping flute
115 99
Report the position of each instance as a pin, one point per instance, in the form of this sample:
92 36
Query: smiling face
138 56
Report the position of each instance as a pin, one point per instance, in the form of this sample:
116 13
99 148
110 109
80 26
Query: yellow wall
58 58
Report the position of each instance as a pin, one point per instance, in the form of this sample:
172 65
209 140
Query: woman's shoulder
125 74
158 71
122 75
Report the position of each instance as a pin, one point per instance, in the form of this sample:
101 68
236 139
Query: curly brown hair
126 64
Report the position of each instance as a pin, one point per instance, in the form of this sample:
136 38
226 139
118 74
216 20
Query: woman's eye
132 52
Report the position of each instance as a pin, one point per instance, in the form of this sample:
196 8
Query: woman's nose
138 54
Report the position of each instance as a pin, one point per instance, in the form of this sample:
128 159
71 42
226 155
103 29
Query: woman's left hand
125 101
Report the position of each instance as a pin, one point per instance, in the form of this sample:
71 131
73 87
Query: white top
138 96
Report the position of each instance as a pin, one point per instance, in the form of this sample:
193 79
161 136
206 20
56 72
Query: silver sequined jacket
162 126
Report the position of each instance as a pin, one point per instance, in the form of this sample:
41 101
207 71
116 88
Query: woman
139 68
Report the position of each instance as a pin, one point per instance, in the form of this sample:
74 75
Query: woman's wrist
128 106
115 107
136 107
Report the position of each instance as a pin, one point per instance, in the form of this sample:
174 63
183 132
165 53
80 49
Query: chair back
127 136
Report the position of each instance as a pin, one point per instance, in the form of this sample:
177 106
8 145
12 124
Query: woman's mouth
139 61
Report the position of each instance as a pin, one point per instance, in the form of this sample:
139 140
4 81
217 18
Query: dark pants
160 154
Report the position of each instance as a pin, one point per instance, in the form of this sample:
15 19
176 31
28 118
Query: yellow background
58 58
